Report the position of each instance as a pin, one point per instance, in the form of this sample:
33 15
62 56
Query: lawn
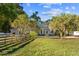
50 47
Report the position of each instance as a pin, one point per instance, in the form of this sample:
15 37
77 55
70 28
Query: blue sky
47 10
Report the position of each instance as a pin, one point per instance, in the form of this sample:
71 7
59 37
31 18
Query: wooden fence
8 40
12 43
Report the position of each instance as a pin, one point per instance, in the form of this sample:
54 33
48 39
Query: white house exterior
76 33
14 31
44 29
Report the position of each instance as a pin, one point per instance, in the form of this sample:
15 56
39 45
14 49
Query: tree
36 20
57 24
33 26
21 23
64 24
35 17
8 13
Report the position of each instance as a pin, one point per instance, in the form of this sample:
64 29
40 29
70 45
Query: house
44 29
14 31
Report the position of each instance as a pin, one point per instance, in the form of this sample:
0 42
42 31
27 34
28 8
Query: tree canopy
64 24
8 12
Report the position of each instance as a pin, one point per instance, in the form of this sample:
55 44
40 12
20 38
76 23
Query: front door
46 32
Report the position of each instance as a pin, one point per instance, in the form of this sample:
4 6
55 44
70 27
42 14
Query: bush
33 35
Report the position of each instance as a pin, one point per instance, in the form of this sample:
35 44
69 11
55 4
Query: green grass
50 47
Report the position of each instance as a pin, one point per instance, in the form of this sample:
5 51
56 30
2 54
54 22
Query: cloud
52 12
57 3
67 11
67 7
49 5
45 13
55 12
73 7
60 3
28 4
31 11
46 5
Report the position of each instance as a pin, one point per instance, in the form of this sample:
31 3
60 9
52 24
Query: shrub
33 35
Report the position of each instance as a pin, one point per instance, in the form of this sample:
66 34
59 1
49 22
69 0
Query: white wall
76 33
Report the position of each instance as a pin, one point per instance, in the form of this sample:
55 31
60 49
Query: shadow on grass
14 49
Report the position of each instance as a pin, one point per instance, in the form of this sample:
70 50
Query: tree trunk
61 35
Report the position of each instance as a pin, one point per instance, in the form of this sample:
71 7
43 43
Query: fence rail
11 43
7 39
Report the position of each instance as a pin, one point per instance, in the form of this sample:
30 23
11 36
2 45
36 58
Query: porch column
42 31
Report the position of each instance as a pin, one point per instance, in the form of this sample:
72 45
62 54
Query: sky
48 10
